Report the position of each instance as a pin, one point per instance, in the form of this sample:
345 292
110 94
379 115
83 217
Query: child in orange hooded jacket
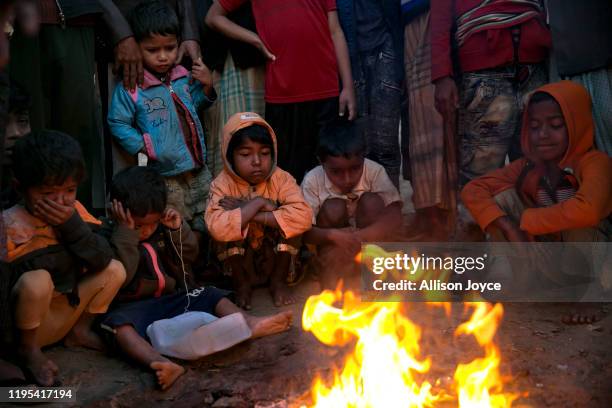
562 188
256 211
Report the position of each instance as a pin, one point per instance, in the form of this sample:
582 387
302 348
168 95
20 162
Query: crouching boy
353 201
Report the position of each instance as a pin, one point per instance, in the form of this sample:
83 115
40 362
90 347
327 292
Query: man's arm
446 94
127 52
347 95
217 20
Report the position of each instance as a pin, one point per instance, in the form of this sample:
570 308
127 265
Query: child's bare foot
268 325
82 337
583 313
167 373
281 294
36 365
243 297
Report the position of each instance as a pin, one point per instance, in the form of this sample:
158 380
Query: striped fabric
495 14
563 192
431 142
238 90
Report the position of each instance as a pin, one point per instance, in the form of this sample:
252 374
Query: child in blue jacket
159 119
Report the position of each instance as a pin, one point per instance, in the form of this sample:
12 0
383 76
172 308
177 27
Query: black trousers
297 131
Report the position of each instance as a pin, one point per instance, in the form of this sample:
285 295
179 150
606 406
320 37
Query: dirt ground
550 363
557 365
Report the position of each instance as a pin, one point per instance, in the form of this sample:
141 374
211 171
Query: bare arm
509 229
392 216
347 95
319 236
266 218
218 21
249 210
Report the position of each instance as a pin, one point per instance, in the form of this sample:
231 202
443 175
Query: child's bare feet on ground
267 325
243 297
42 370
166 372
584 313
282 295
81 337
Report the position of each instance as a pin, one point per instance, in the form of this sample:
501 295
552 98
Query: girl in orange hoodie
562 188
256 212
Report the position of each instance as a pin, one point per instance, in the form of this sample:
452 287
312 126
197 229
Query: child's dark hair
153 17
142 190
340 139
538 97
255 133
19 98
47 157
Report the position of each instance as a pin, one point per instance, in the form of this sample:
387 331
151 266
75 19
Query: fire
386 368
479 383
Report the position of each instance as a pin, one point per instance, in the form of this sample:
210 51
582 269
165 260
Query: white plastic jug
197 334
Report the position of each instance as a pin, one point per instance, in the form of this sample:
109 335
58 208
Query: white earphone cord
180 255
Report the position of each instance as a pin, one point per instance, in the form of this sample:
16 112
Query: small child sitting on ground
561 190
65 274
160 119
353 201
157 248
256 211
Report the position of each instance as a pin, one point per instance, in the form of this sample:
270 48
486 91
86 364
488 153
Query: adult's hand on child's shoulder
122 216
52 212
171 219
129 60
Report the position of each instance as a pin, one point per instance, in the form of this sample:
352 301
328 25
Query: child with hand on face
159 121
62 271
256 211
157 248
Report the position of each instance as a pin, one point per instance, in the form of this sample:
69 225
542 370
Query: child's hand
201 72
267 205
231 203
53 213
122 216
347 241
171 219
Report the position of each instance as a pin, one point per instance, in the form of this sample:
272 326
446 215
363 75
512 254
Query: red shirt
486 49
297 33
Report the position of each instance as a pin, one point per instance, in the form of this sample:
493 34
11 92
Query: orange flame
381 370
385 368
479 383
